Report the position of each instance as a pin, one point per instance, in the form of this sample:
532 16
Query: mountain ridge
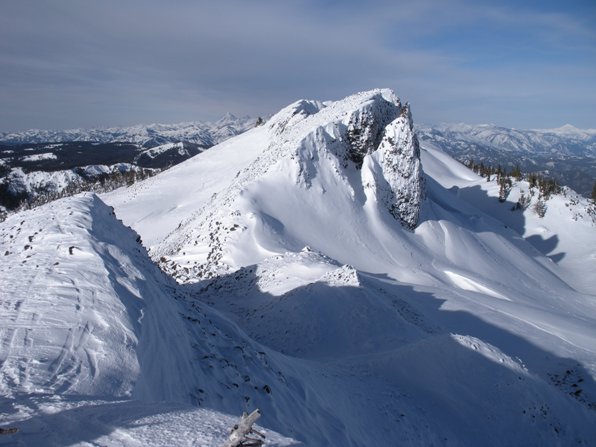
578 142
204 133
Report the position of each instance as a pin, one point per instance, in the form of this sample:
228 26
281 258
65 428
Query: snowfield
356 287
39 157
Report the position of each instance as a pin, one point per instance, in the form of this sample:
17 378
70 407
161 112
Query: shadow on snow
502 216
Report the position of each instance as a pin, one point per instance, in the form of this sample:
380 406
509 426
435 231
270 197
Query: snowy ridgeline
566 140
354 287
89 322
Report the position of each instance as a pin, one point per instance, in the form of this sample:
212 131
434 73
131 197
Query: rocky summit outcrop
372 127
393 170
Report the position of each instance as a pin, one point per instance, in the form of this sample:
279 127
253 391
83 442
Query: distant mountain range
204 134
567 154
41 162
40 165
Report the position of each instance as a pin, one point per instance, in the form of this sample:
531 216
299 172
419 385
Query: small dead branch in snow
243 434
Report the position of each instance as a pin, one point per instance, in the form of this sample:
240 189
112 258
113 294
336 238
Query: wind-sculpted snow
82 306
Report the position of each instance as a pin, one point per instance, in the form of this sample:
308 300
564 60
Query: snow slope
291 192
565 234
356 288
79 291
89 323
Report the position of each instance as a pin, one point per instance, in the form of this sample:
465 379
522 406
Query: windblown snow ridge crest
361 151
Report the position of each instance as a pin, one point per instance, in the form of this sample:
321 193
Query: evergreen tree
540 208
523 202
505 185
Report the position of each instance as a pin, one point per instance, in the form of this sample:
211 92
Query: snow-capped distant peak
227 117
146 135
570 130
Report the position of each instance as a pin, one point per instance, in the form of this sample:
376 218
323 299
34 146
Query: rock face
366 126
393 170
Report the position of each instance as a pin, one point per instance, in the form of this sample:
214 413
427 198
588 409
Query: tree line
504 178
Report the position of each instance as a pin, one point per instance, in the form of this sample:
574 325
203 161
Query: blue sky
89 63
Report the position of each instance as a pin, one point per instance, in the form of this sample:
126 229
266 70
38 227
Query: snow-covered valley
358 288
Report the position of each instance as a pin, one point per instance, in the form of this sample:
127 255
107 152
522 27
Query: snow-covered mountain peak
359 154
293 113
228 116
569 130
369 125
